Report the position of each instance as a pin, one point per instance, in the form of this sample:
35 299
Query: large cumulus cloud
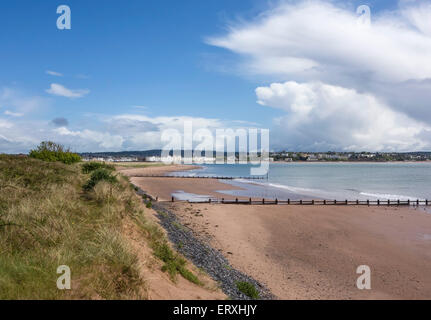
379 69
326 117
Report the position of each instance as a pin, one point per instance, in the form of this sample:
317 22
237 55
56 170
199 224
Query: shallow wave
330 194
292 189
389 196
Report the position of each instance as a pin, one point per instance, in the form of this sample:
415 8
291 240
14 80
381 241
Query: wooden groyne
388 203
289 202
198 177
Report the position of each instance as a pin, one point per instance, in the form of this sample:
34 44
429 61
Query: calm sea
330 180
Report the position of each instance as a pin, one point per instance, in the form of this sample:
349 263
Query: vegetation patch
46 222
92 166
174 263
97 176
248 289
52 152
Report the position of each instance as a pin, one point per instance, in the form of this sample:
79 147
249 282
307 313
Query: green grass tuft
97 176
248 289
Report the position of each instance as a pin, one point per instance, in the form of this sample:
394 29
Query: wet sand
312 252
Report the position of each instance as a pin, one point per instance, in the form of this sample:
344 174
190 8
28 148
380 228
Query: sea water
329 180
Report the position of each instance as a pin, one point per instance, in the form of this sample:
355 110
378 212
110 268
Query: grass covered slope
54 214
47 221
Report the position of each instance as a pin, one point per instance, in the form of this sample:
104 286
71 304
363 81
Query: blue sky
144 64
147 53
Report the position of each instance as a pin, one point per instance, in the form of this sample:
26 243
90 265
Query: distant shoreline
344 161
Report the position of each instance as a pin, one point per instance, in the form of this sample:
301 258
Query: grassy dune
47 220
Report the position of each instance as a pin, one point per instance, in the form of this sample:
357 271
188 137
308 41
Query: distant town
280 156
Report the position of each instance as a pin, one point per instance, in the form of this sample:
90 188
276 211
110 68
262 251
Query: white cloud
21 103
104 140
13 114
317 37
4 124
386 65
59 90
54 73
107 133
140 107
326 117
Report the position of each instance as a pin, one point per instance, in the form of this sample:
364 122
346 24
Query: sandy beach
310 252
163 188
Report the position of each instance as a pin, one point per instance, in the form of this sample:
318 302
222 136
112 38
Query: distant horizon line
279 151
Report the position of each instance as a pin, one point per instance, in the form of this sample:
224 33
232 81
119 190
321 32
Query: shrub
92 166
248 289
174 263
97 176
51 152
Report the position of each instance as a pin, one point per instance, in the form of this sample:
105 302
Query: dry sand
153 169
312 252
304 252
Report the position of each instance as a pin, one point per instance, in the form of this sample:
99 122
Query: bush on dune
97 176
92 166
51 152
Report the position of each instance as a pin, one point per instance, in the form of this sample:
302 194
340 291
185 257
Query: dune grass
46 220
